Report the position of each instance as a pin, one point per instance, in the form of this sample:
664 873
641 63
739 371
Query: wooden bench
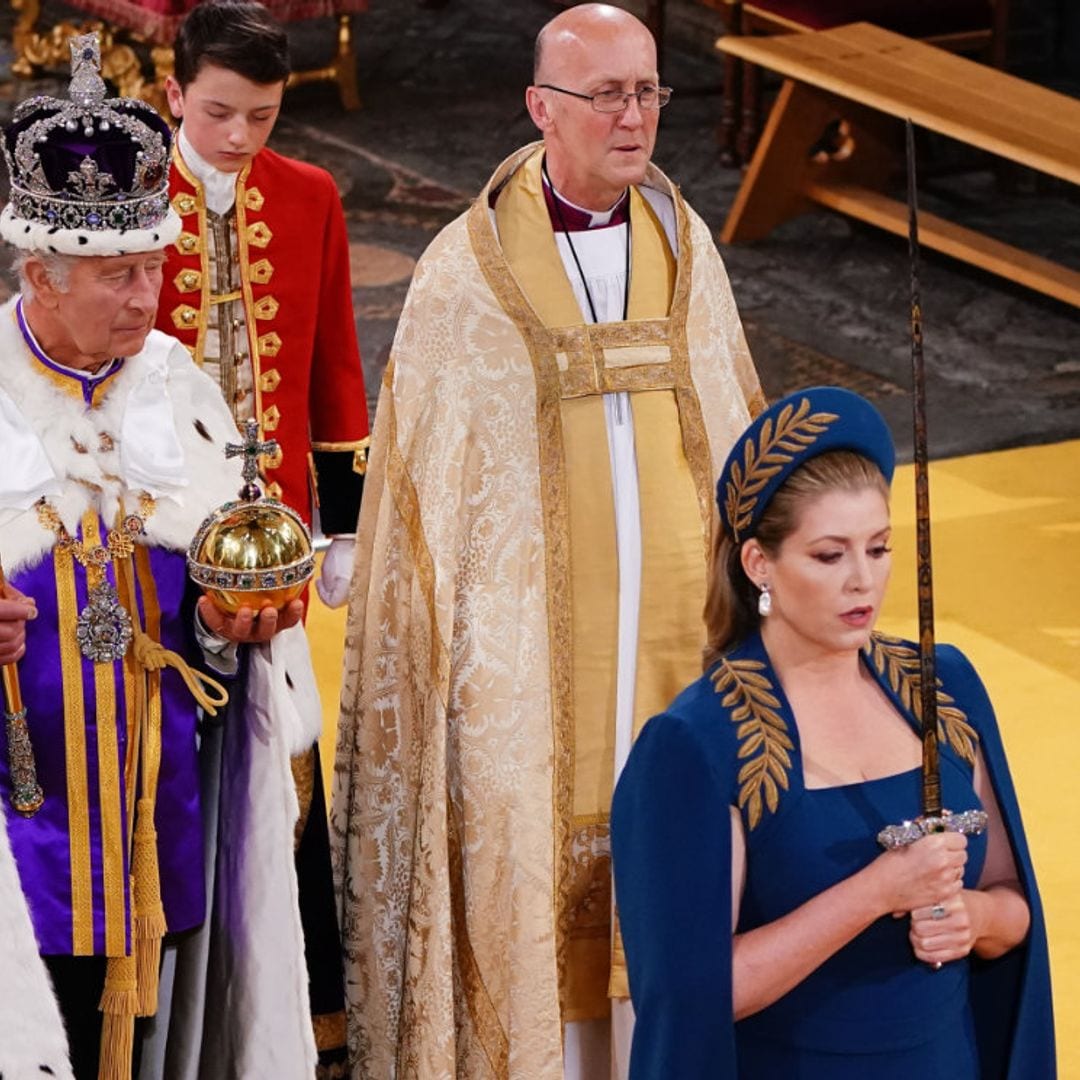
871 80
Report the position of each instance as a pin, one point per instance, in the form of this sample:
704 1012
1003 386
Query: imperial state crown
89 174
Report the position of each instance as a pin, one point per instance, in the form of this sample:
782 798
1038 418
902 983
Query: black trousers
78 982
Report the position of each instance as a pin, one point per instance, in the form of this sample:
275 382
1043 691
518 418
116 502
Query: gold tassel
150 926
118 1002
148 962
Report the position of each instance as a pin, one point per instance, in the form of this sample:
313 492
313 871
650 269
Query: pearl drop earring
764 602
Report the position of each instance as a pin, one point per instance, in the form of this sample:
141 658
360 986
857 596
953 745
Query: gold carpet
1006 538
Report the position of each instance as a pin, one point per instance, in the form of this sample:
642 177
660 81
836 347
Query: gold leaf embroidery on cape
795 430
763 736
899 663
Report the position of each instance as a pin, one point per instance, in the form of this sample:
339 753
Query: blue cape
671 843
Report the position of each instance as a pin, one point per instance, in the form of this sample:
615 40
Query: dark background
823 299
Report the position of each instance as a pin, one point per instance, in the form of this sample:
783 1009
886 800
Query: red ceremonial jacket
297 296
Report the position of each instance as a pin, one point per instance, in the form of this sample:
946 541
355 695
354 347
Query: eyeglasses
616 101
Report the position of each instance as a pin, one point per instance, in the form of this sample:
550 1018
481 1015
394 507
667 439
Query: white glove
333 583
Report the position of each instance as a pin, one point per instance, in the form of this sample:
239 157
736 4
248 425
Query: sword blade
931 770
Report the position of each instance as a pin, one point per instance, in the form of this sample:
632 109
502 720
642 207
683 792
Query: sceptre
26 794
934 818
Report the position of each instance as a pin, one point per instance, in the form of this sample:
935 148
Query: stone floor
822 299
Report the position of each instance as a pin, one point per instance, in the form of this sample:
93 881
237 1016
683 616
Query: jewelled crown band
89 175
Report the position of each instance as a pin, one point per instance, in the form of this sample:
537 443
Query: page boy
258 284
257 287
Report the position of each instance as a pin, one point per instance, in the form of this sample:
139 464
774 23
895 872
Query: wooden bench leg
341 71
345 65
750 97
782 172
729 115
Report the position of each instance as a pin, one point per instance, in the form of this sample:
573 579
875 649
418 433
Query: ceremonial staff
26 793
934 817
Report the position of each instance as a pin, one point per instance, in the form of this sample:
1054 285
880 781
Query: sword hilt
968 822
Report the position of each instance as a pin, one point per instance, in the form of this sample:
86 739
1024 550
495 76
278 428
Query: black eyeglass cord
577 261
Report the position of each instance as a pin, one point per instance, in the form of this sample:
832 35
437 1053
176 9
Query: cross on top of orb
252 450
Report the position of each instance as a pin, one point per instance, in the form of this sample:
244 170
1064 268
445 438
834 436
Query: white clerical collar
219 187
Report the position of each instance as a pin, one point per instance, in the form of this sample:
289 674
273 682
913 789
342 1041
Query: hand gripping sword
26 793
934 818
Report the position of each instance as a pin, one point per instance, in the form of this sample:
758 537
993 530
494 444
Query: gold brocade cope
645 355
464 880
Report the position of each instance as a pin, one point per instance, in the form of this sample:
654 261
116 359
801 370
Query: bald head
592 152
579 31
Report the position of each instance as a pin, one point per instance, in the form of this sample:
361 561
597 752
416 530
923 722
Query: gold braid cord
899 663
763 736
131 982
208 693
795 430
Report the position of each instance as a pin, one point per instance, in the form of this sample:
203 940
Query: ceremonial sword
26 794
934 818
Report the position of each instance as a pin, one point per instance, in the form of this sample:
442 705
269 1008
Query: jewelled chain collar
119 544
104 629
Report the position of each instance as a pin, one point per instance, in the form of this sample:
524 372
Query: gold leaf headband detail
795 430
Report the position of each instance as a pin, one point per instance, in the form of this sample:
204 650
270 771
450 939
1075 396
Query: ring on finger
937 912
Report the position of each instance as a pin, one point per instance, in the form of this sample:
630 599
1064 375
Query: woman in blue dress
768 936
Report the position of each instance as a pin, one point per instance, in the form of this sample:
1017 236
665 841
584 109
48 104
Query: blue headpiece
788 434
89 175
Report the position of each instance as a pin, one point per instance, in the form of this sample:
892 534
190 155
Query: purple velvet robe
41 844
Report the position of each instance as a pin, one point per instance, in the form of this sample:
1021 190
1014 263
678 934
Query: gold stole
634 355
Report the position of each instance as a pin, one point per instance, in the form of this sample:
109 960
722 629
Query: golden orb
252 555
252 552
